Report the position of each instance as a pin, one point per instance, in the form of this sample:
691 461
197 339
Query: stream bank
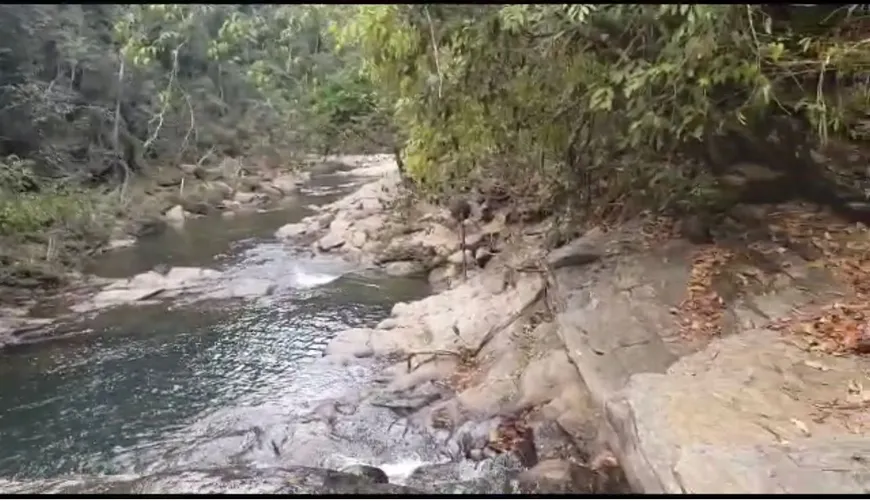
647 353
227 398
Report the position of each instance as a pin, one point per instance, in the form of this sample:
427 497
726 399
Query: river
146 388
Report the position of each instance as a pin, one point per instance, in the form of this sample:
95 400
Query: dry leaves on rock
700 314
836 328
511 434
844 249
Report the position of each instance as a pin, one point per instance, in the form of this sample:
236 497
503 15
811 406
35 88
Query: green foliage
602 96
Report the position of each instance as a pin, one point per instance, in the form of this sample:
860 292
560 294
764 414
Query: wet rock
555 476
405 251
404 268
325 220
219 190
248 184
168 178
456 258
482 256
376 475
290 231
205 174
175 215
358 239
490 476
330 242
270 191
199 207
150 226
121 243
288 481
244 197
286 184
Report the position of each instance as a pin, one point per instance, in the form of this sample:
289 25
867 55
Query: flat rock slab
751 413
743 414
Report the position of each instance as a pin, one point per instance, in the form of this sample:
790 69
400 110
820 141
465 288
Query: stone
244 197
556 476
290 231
404 268
376 475
292 480
220 190
482 256
358 239
456 258
582 251
169 177
270 191
330 242
175 215
287 184
205 174
121 243
248 184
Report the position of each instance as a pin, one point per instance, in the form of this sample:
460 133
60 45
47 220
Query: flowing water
155 387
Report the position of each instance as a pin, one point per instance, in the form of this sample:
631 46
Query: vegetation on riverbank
608 109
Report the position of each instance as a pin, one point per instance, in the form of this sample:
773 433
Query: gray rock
404 268
175 215
376 475
330 241
584 250
291 480
292 230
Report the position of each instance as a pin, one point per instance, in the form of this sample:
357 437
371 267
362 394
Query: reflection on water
206 241
78 404
109 400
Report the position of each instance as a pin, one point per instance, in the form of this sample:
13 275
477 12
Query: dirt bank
631 340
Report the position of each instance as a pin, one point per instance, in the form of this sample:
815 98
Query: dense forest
606 109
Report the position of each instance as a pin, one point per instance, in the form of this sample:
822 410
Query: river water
154 387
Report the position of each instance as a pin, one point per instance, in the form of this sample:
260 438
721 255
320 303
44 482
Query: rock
150 227
404 268
556 476
169 177
270 191
248 184
175 215
287 184
456 258
290 231
376 475
121 243
220 190
582 251
482 256
325 220
441 276
358 239
244 197
295 480
205 174
330 241
197 207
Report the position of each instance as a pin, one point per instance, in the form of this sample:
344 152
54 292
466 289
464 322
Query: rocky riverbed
541 365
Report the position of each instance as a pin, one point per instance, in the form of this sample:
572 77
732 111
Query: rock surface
287 481
742 415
